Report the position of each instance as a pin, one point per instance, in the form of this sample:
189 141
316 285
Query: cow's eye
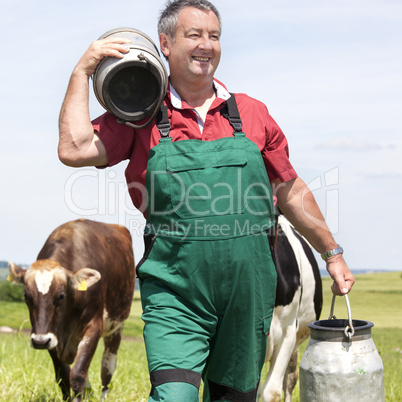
59 298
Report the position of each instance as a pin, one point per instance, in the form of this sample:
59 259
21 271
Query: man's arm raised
79 145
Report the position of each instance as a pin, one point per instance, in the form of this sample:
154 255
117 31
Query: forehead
41 279
191 17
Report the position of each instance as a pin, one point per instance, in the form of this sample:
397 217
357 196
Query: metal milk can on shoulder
341 362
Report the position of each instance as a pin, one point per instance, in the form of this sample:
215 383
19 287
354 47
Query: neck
195 95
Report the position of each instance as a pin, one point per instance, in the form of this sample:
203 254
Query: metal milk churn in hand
341 362
132 88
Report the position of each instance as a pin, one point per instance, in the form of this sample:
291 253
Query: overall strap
162 121
231 112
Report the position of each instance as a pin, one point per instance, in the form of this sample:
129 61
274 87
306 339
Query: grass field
27 374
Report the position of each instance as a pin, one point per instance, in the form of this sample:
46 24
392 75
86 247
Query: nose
45 341
40 343
205 43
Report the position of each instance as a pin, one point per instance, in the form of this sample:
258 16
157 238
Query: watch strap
331 253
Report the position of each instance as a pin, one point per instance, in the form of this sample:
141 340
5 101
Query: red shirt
122 142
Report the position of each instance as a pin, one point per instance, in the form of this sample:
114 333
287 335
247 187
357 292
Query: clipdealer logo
93 192
200 228
200 199
110 197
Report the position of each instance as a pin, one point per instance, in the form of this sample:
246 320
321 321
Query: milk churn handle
349 330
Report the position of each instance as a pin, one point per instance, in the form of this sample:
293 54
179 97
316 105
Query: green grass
27 374
14 315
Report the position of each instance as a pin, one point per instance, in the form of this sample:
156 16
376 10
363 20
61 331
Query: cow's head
47 287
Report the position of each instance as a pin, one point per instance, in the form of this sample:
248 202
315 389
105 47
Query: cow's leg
85 353
109 358
268 354
62 371
272 388
291 376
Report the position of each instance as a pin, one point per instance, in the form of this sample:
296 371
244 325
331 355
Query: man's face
195 53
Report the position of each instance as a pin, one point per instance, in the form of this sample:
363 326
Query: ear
164 42
17 273
85 278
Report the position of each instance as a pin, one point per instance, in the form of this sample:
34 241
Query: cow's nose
46 341
40 342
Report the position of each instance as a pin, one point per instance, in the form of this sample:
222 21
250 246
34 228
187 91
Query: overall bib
207 277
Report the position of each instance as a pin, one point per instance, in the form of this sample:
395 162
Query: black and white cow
298 302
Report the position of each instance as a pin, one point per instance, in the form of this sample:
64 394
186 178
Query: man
207 277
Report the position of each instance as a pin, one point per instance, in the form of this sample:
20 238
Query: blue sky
330 73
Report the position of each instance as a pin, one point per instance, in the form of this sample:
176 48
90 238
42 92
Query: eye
194 35
59 298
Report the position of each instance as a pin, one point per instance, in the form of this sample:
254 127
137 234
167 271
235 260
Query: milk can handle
349 330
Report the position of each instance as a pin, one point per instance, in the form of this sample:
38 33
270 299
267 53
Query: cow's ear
16 273
84 278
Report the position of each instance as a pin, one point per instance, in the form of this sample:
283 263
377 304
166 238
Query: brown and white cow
298 302
80 289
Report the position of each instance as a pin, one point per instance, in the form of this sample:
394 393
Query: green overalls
207 277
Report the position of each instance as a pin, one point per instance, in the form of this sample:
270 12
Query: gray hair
168 19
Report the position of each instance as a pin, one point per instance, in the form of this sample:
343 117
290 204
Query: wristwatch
331 253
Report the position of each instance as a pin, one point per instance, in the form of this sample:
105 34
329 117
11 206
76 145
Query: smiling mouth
202 59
